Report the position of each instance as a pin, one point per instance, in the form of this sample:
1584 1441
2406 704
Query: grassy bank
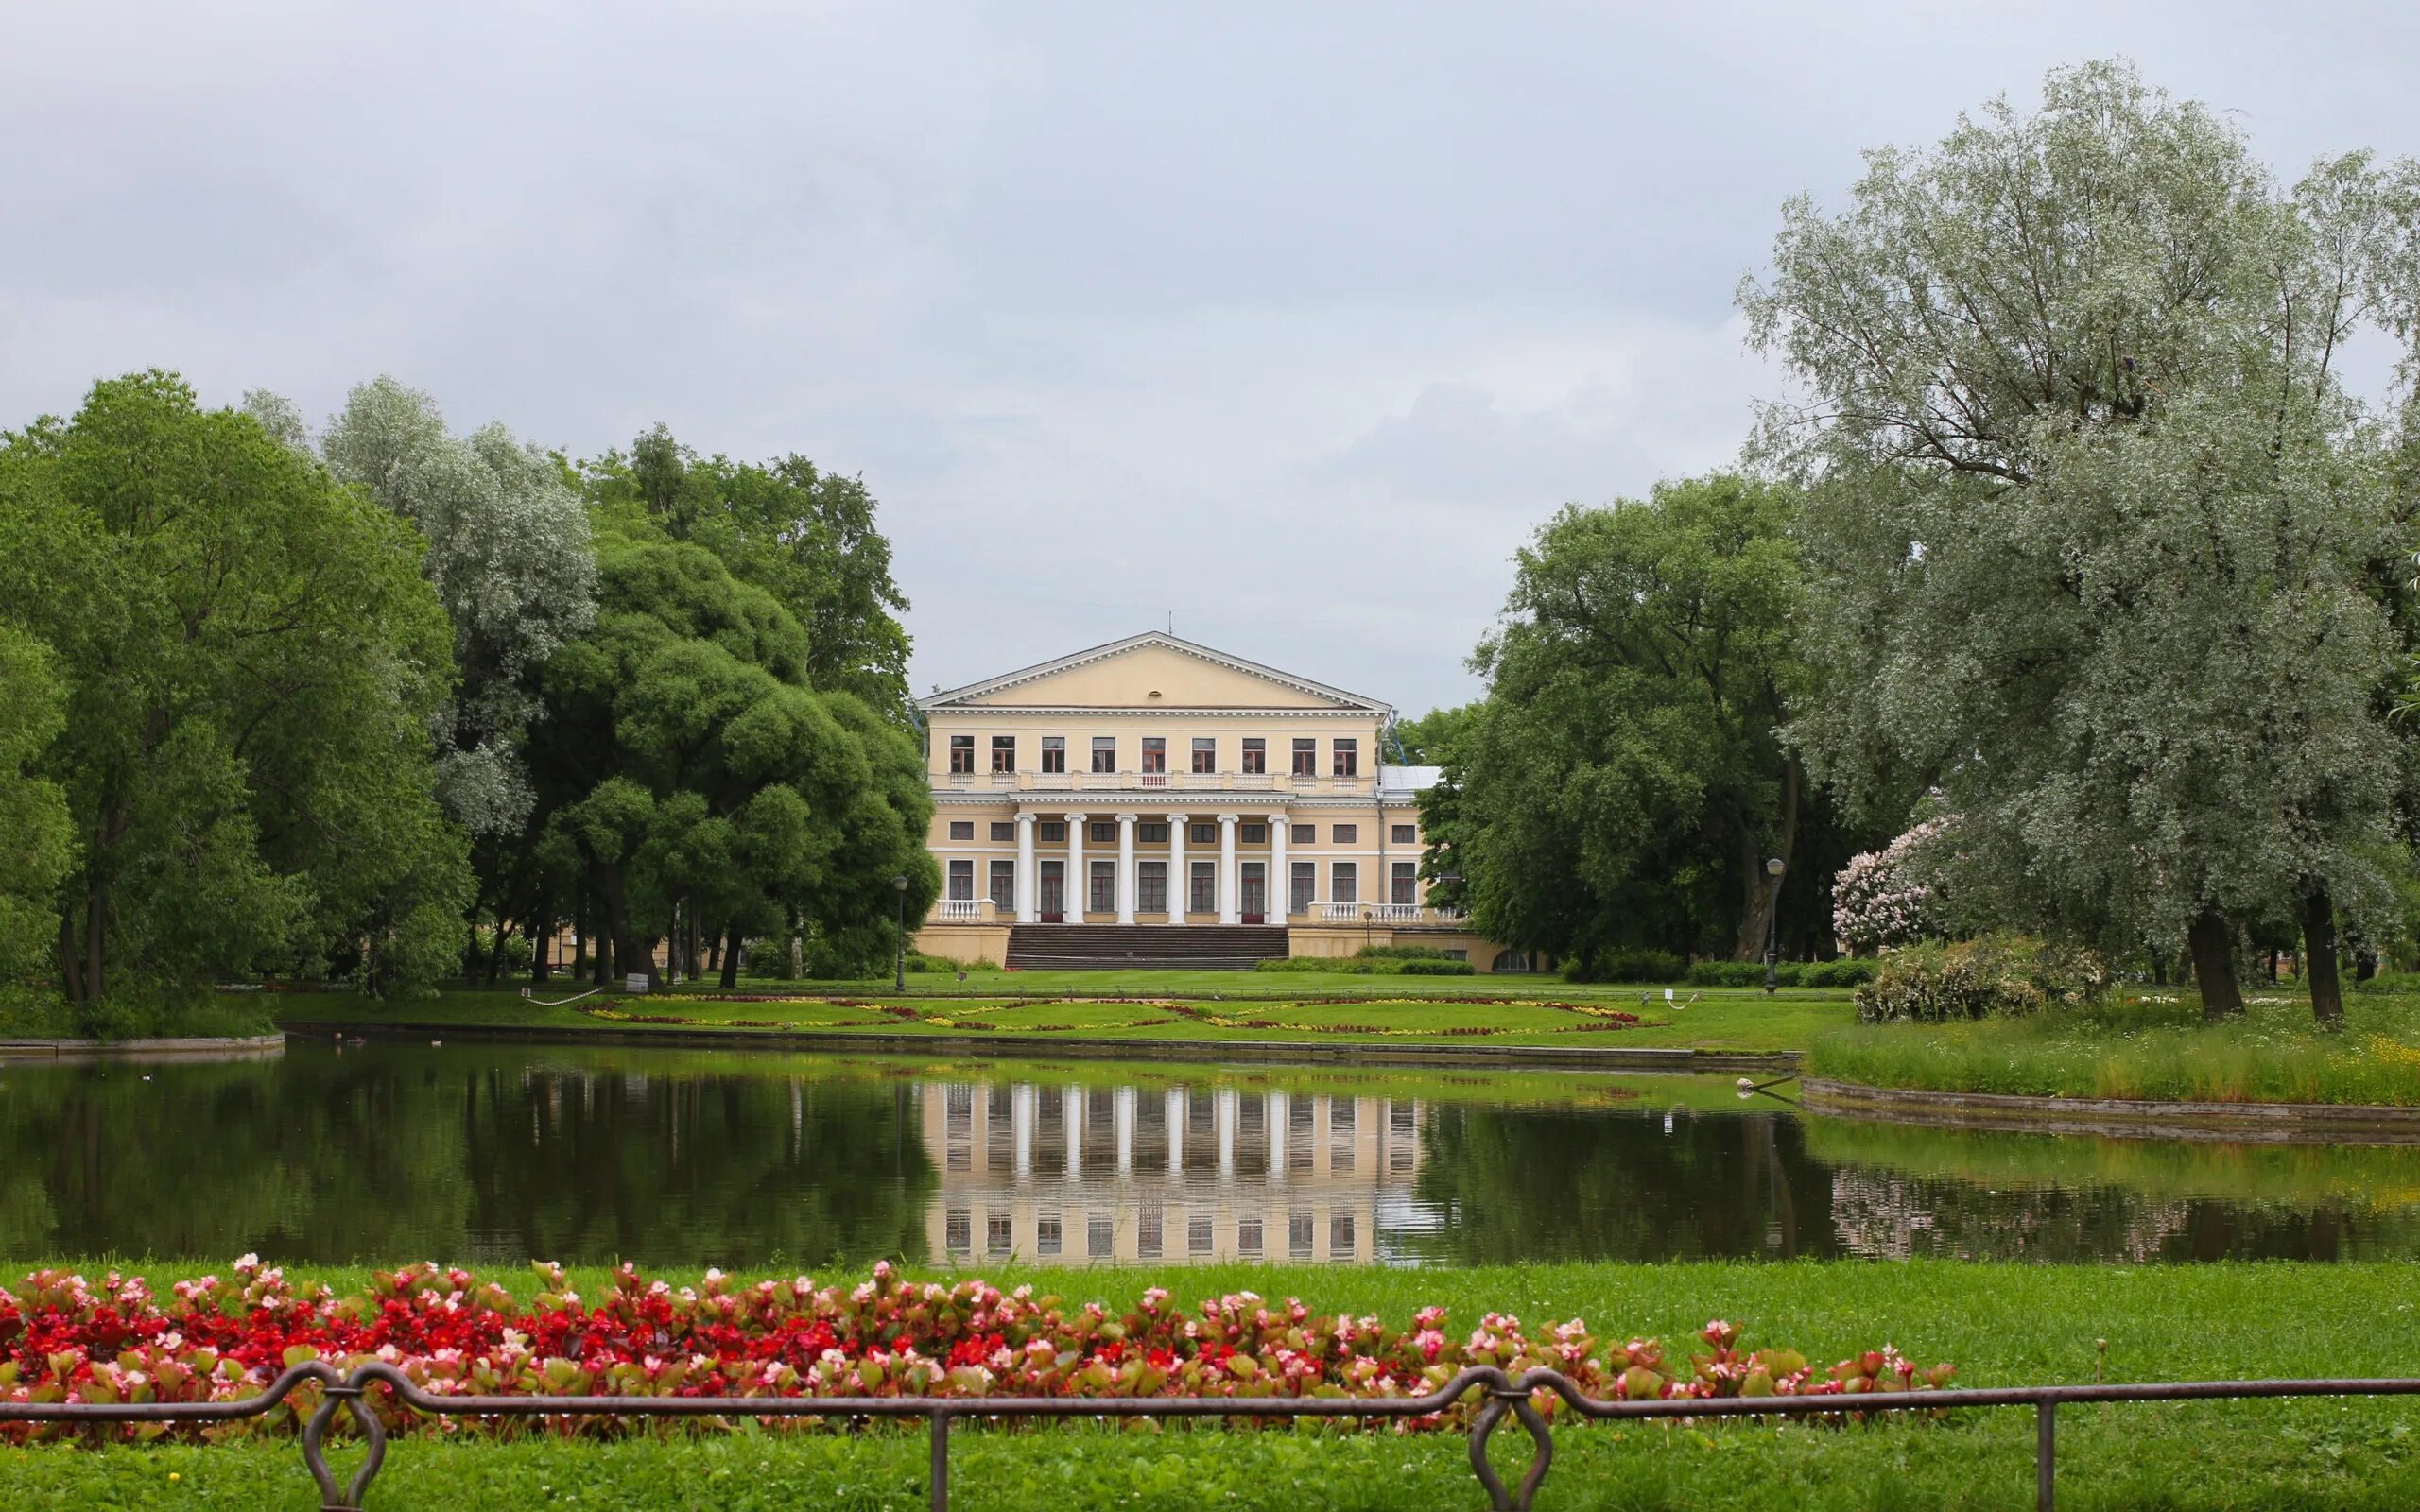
38 1013
2148 1046
2001 1324
1352 1009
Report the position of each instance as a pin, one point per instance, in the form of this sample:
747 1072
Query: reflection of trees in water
1519 1185
494 1154
1888 1215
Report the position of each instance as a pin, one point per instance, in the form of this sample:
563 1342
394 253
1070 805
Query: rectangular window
958 1228
1299 1229
1251 834
1344 882
1104 754
1303 883
1348 758
1147 1224
1198 1234
1255 757
1004 753
1307 758
1205 754
1151 835
1401 834
1304 832
961 753
1205 886
1403 888
999 1231
1248 1237
1003 884
1201 835
1054 832
961 881
1004 829
1340 1234
1347 834
1097 1232
1046 1236
1054 753
1156 753
1152 886
1103 832
1104 896
961 829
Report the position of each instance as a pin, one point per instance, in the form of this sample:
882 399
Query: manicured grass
2002 1324
1717 1019
2149 1045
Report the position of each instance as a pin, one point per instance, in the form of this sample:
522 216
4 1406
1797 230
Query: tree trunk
2365 965
97 913
731 955
71 969
496 955
2319 954
2159 969
2212 943
580 934
1761 899
542 942
798 947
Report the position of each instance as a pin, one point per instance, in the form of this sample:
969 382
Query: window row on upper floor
1148 832
1251 753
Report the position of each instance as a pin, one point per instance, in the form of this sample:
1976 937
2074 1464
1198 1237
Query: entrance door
1054 892
1253 894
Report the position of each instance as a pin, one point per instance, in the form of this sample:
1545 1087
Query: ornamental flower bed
215 1339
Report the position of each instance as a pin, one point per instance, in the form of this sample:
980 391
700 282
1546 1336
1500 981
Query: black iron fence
1505 1395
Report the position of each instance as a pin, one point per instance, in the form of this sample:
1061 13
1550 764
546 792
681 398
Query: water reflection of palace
1076 1175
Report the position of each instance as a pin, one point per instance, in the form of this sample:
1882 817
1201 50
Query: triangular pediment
1150 670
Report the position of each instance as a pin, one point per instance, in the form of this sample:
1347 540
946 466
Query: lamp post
1774 868
899 975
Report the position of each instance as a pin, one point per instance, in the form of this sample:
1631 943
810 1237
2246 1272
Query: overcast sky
1291 320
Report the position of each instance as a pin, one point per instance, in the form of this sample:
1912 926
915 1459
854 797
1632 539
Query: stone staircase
1153 947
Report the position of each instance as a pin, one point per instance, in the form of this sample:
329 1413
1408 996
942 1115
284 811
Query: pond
498 1153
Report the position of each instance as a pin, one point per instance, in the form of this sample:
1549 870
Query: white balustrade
962 910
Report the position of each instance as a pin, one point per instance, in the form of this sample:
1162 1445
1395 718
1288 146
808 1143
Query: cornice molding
1347 702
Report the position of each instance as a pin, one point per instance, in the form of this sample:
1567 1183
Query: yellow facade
1155 781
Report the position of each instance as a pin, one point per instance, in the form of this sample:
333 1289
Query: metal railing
1505 1395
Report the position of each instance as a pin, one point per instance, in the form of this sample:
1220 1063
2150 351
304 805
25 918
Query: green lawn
2001 1324
1379 1012
2149 1043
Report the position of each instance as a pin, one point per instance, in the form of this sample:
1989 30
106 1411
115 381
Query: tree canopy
2092 524
1625 779
249 662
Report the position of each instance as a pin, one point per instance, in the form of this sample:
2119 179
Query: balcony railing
1386 914
965 911
1149 781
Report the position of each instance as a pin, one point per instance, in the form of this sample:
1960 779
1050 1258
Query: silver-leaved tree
2093 529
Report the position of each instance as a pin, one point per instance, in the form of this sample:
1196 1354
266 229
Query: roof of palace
1149 640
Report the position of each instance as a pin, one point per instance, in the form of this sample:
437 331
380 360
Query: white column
1122 1114
1021 1100
1080 886
1180 875
1223 1109
1028 876
1176 1111
1280 877
1279 1105
1227 888
1071 1104
1126 868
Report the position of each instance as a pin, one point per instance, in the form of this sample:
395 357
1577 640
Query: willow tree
2090 514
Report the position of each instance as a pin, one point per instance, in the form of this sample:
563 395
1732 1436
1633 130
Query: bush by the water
1993 976
131 1013
1624 966
1378 960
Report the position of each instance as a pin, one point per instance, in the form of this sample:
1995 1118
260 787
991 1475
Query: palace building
1155 802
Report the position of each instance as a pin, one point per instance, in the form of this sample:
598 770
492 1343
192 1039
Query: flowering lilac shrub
216 1339
1888 897
1983 978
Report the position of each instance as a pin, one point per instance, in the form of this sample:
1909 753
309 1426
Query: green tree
2090 514
37 838
1431 739
1625 778
803 535
691 771
250 663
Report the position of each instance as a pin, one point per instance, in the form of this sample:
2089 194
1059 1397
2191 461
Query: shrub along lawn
2001 1324
1373 1011
2149 1044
